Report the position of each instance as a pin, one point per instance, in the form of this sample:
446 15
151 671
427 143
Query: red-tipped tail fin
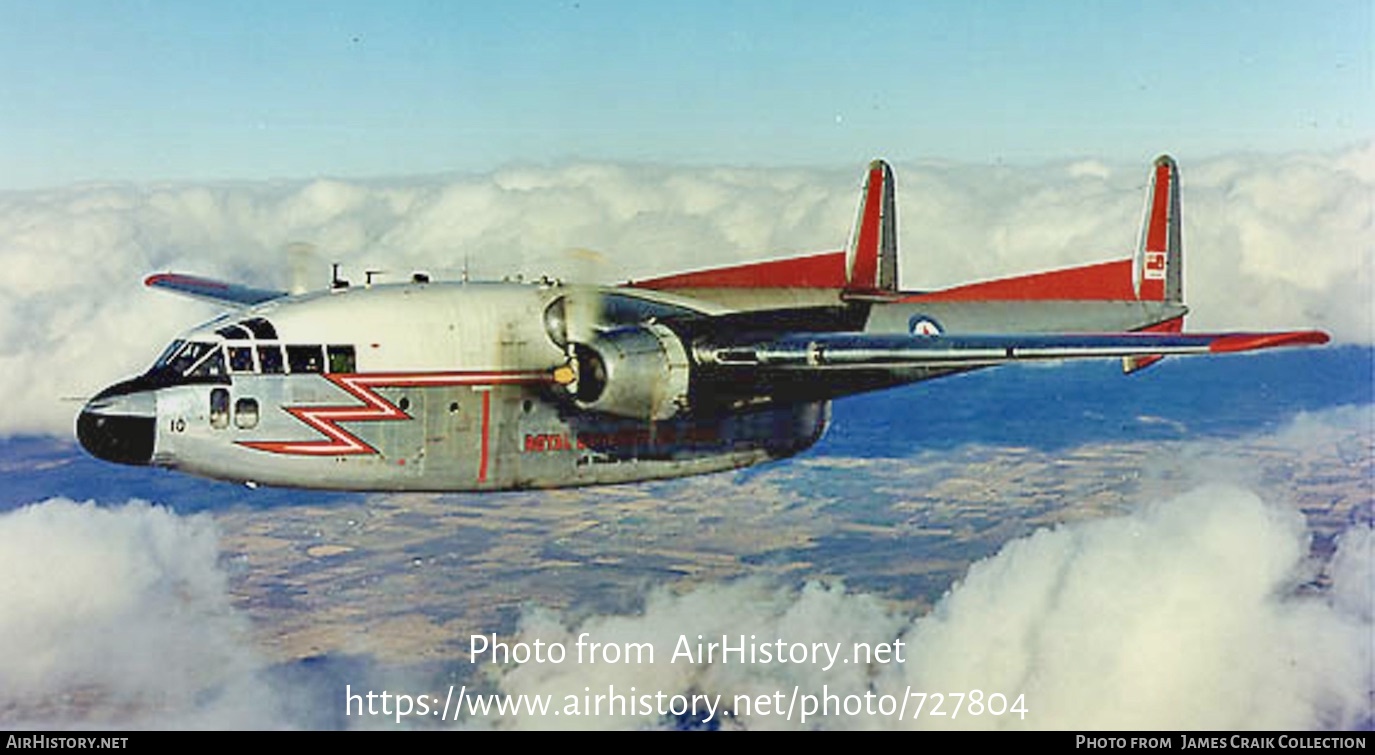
871 264
219 292
1158 266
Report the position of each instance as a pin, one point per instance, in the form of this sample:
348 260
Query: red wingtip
1234 342
177 279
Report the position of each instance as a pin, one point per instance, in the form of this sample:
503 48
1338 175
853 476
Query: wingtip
1235 342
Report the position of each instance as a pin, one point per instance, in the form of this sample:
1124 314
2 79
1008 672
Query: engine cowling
639 371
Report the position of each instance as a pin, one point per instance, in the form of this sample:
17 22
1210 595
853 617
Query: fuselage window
219 408
270 357
262 329
342 359
246 413
305 358
240 359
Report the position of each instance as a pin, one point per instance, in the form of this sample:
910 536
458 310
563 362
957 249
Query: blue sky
177 90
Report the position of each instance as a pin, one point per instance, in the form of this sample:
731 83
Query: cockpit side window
240 359
305 358
270 357
342 359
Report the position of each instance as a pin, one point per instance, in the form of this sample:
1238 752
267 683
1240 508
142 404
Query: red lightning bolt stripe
375 408
486 430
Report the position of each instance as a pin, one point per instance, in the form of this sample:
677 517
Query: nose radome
119 427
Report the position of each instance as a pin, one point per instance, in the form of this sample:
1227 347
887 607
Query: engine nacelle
640 371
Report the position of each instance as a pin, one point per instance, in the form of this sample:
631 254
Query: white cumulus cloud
1195 611
122 617
1182 615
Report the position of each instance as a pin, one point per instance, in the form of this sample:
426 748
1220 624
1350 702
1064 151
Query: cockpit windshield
191 359
246 351
189 356
168 353
211 365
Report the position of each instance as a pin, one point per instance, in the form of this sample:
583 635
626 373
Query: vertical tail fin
1158 267
871 264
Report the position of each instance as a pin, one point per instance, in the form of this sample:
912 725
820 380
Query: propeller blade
300 257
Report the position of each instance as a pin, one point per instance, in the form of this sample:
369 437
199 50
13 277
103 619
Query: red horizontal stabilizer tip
1138 363
1104 281
813 271
1233 342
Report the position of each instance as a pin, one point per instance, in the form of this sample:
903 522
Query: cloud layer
1201 610
122 617
1271 241
1182 615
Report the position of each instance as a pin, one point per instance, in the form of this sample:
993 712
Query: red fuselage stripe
486 429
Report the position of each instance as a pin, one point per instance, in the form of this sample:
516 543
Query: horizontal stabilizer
230 294
1103 281
1142 361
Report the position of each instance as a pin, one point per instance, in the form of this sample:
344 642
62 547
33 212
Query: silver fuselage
452 386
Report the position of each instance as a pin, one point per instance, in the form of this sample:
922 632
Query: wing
230 294
837 351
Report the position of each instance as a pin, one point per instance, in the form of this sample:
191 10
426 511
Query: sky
147 91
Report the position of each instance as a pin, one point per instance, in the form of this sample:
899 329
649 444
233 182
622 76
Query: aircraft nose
119 427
